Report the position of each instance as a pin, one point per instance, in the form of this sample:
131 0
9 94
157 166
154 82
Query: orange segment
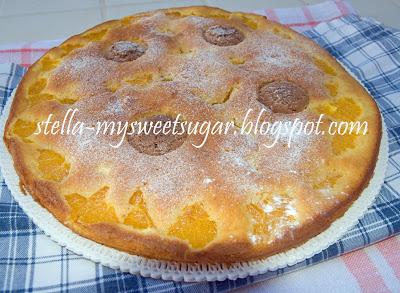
270 214
166 77
195 226
96 210
126 20
225 97
184 50
129 19
277 31
341 143
48 63
206 14
138 216
68 101
344 109
236 60
328 181
37 98
174 13
247 21
37 87
52 165
68 48
141 79
260 220
24 128
324 66
332 88
76 203
113 85
95 36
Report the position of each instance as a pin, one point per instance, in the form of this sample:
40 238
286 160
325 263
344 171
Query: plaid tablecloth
30 261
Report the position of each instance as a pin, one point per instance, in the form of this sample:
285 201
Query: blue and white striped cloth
30 261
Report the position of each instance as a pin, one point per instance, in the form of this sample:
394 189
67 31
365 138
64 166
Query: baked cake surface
232 199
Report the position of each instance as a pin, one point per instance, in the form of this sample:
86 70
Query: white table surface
28 20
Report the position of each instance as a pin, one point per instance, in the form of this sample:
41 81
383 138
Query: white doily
180 271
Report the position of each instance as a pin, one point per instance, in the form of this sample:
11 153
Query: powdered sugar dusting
203 83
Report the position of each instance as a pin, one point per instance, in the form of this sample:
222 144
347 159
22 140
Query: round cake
162 196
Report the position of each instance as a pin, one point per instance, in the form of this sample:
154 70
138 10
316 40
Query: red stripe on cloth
26 54
344 10
24 49
307 13
390 250
311 23
364 271
271 15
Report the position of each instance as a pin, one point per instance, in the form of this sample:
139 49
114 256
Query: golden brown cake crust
231 200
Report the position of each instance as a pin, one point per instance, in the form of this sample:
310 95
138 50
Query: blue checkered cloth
30 261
